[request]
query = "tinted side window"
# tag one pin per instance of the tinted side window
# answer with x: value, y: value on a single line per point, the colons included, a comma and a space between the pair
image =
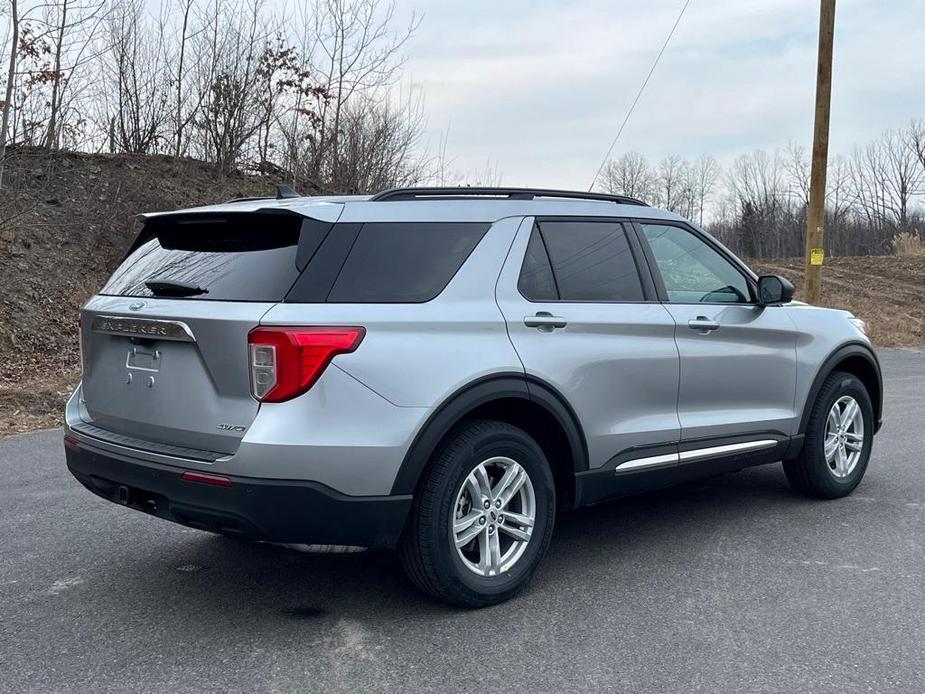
x: 692, y: 271
x: 234, y: 257
x: 536, y: 282
x: 408, y: 262
x: 592, y: 261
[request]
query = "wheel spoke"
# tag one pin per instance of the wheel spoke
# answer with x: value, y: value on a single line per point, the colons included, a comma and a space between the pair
x: 484, y: 558
x: 853, y: 445
x: 831, y: 444
x: 494, y: 552
x: 834, y: 417
x: 842, y: 466
x: 516, y: 533
x: 466, y: 521
x: 512, y: 518
x: 505, y: 480
x: 466, y: 535
x: 481, y: 474
x: 850, y: 412
x: 475, y: 491
x: 513, y: 487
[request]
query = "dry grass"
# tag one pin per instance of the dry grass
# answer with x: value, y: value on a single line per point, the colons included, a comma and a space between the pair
x: 908, y: 243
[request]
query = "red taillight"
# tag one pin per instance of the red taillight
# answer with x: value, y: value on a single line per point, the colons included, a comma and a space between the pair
x: 285, y: 362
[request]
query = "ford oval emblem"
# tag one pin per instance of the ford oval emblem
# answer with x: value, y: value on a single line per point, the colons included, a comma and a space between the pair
x: 136, y: 305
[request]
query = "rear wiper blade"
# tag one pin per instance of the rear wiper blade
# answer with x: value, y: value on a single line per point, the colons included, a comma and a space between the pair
x: 174, y: 288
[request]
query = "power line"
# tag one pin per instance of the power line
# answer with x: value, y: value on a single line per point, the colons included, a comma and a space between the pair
x: 639, y: 94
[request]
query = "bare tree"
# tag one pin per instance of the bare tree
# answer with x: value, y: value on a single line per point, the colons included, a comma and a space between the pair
x: 904, y: 177
x: 704, y: 175
x: 796, y: 166
x: 671, y: 189
x: 354, y: 50
x: 142, y: 79
x: 886, y: 176
x: 630, y: 175
x: 756, y: 183
x: 380, y: 147
x: 8, y: 89
x: 72, y: 26
x: 229, y: 115
x: 181, y: 116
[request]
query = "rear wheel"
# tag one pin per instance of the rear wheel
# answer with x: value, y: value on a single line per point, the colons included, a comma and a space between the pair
x: 839, y: 436
x: 483, y: 518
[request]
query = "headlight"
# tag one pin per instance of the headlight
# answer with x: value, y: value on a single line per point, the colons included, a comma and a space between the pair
x: 859, y: 324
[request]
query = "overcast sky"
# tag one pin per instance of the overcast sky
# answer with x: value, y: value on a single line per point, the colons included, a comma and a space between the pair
x: 539, y: 87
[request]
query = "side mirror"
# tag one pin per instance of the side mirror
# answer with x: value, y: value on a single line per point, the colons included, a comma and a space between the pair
x: 774, y: 289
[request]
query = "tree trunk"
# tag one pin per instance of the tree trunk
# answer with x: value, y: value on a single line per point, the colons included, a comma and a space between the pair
x: 178, y: 145
x: 51, y: 136
x: 8, y: 94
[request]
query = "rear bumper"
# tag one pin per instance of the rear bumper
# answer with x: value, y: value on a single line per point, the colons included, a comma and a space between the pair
x: 262, y: 509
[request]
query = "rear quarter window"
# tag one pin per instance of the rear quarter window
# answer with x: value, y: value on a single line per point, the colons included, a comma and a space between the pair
x: 404, y: 262
x: 243, y: 257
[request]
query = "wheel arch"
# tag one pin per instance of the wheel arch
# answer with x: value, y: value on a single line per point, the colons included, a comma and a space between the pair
x: 525, y: 402
x: 859, y: 360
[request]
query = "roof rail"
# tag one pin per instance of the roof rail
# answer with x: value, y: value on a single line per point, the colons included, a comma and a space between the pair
x: 508, y: 193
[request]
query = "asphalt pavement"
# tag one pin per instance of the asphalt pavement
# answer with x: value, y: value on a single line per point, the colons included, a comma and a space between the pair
x: 733, y: 584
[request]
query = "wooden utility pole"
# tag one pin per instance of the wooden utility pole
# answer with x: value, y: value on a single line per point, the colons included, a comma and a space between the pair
x: 815, y: 215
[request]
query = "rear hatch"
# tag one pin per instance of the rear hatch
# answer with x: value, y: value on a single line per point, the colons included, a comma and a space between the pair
x: 164, y: 343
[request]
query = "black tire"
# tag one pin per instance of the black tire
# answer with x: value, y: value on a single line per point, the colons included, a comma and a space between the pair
x: 428, y: 552
x: 809, y: 473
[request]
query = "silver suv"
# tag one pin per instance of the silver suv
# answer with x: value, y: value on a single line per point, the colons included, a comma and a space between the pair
x: 442, y: 370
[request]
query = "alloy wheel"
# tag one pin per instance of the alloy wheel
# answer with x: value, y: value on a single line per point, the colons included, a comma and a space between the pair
x: 493, y: 517
x: 844, y: 436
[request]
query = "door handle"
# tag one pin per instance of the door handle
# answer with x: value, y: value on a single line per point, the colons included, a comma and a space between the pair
x: 545, y: 321
x: 703, y: 325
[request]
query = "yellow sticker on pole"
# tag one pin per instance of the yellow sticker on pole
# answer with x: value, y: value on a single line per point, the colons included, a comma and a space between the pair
x: 816, y: 256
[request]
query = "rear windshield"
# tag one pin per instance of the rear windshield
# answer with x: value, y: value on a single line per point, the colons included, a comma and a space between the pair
x: 236, y: 257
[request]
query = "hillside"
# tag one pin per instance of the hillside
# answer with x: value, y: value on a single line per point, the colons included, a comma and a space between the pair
x: 66, y: 220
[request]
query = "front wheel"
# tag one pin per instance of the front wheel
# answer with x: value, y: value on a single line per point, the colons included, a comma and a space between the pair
x: 483, y: 517
x: 839, y: 436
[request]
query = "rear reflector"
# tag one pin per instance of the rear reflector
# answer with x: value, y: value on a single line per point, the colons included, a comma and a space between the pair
x: 71, y: 443
x: 205, y: 478
x: 286, y: 362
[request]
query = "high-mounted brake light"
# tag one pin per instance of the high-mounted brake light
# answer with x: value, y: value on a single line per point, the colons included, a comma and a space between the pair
x: 286, y: 362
